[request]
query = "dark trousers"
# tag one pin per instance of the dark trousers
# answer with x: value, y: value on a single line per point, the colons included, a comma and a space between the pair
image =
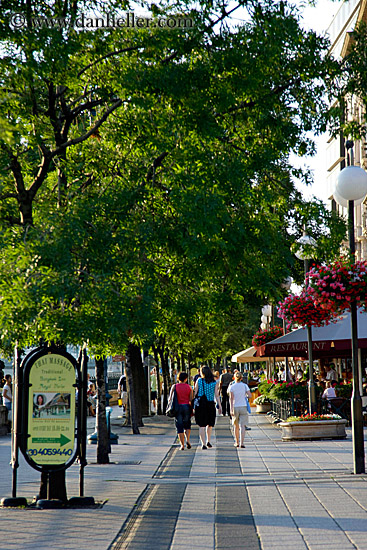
x: 225, y: 400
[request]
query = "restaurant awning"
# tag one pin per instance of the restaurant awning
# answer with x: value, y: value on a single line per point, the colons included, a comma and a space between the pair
x: 248, y: 356
x: 332, y: 340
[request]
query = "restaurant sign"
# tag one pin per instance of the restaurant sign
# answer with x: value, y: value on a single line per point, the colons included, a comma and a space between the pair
x: 50, y: 382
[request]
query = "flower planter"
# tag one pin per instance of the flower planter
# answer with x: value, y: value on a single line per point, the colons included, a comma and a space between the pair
x: 263, y: 408
x: 313, y: 429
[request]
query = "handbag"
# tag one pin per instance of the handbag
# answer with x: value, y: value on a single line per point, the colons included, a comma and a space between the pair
x: 172, y: 405
x: 248, y: 406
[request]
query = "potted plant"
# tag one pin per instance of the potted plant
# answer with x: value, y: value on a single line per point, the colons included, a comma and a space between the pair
x: 263, y: 404
x: 313, y: 426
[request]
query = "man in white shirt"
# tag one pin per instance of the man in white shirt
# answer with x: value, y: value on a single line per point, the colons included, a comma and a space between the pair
x: 7, y: 396
x: 331, y: 373
x: 238, y: 395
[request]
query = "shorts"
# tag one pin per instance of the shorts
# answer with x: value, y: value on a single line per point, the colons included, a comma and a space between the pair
x: 153, y: 395
x: 240, y: 416
x: 124, y: 398
x: 183, y: 418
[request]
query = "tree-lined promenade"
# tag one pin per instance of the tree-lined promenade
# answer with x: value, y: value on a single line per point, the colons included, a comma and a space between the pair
x: 147, y: 199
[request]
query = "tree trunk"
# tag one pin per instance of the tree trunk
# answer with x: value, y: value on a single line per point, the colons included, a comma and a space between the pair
x: 159, y: 387
x: 166, y: 377
x: 131, y: 388
x: 103, y: 443
x: 140, y: 385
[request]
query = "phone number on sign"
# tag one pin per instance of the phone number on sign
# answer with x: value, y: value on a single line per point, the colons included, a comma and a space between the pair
x: 50, y: 452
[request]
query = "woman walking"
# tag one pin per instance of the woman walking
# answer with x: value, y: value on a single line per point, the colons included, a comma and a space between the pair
x: 205, y: 413
x: 183, y: 419
x: 238, y: 394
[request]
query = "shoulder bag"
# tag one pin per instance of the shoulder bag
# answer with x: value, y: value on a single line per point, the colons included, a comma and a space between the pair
x: 172, y: 406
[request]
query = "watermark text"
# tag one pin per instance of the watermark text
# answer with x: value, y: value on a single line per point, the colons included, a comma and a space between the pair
x: 110, y: 21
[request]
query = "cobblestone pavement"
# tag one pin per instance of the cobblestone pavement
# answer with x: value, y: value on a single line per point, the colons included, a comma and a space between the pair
x: 271, y: 495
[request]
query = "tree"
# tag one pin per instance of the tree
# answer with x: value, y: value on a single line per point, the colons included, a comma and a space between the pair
x: 147, y: 187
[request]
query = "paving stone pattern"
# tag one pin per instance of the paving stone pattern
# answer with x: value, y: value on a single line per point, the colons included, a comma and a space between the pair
x: 272, y: 495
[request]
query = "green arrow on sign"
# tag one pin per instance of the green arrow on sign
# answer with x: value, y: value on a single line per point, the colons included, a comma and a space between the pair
x: 63, y: 440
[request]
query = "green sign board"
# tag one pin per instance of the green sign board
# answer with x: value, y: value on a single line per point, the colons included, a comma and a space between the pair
x: 51, y: 410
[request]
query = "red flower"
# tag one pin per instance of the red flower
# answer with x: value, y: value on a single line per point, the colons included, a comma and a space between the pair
x: 261, y: 337
x: 303, y: 310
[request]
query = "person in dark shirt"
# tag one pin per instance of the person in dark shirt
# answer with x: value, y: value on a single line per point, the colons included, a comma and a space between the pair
x: 224, y: 381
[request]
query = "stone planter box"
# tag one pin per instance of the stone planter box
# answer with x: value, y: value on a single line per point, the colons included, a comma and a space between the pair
x: 263, y: 408
x: 315, y: 429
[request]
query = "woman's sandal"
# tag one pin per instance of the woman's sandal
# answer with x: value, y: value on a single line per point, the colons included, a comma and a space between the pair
x: 188, y: 445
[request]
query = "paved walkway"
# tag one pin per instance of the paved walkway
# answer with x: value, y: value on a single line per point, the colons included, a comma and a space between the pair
x: 271, y: 495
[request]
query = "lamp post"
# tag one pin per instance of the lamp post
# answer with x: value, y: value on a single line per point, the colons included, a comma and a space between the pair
x: 352, y: 186
x: 265, y: 323
x: 306, y: 255
x: 287, y: 285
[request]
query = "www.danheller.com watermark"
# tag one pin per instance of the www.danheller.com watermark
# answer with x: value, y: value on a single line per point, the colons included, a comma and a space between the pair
x: 111, y: 21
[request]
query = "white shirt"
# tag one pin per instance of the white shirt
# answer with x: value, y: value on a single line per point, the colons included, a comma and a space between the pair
x: 329, y: 393
x: 5, y: 399
x: 239, y: 391
x: 331, y: 375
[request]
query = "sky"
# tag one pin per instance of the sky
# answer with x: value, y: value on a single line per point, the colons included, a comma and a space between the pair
x: 318, y: 19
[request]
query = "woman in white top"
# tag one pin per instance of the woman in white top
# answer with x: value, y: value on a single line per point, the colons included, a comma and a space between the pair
x: 238, y: 394
x: 7, y: 396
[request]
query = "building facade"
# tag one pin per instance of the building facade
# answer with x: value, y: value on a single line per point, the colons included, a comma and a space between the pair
x: 350, y: 13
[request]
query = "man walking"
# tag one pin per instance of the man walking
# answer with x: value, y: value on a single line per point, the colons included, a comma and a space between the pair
x: 238, y: 394
x: 224, y: 382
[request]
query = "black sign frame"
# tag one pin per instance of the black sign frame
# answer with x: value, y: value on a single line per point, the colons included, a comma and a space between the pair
x: 24, y: 404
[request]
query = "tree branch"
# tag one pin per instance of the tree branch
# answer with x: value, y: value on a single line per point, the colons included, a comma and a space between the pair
x: 15, y: 169
x: 155, y: 164
x: 82, y: 138
x: 41, y: 174
x: 123, y: 50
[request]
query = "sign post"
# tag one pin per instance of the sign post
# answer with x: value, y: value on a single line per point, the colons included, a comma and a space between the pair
x: 48, y: 426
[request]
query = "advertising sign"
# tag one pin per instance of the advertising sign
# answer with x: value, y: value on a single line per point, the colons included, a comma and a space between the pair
x: 51, y: 410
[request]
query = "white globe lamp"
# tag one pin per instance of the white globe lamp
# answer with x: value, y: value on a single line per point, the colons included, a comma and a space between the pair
x: 308, y: 241
x: 352, y: 183
x: 343, y: 202
x: 287, y: 283
x: 263, y: 326
x: 266, y: 310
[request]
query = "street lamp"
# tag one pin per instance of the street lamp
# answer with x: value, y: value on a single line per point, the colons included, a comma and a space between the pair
x: 265, y: 323
x: 304, y: 252
x: 286, y: 285
x: 352, y: 186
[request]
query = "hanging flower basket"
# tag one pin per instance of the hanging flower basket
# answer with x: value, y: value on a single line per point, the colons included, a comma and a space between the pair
x: 335, y: 286
x: 262, y: 337
x: 303, y: 311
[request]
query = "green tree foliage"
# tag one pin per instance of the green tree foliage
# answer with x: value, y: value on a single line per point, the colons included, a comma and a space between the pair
x: 352, y: 82
x: 147, y: 187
